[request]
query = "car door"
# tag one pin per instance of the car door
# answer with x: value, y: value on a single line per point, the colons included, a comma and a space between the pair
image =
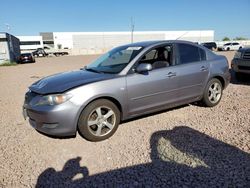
x: 193, y: 71
x: 150, y: 90
x: 235, y: 46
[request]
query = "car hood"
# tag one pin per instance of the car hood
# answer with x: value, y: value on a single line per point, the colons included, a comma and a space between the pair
x: 62, y: 82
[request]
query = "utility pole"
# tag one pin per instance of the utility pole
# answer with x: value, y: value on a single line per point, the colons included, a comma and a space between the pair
x: 132, y: 29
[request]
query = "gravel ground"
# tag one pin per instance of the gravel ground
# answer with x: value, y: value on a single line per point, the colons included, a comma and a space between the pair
x: 190, y: 146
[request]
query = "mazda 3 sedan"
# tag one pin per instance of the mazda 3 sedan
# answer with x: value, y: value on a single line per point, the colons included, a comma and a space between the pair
x: 126, y: 82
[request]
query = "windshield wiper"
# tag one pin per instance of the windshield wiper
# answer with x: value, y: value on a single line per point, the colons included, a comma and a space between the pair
x: 91, y: 70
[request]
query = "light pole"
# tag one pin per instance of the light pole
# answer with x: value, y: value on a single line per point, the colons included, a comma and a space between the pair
x: 132, y: 29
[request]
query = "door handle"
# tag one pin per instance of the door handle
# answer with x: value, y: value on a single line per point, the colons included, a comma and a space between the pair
x: 171, y: 74
x: 203, y: 68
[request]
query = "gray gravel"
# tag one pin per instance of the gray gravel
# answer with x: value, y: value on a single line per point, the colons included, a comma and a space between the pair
x: 190, y: 146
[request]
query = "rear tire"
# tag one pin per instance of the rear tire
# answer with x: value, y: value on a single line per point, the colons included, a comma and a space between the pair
x: 99, y: 120
x: 213, y: 93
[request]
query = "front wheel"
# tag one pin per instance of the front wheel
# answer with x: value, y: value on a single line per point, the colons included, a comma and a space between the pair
x: 213, y: 93
x: 99, y: 120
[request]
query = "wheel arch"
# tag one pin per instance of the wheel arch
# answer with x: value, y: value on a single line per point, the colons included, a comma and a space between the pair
x: 110, y: 98
x: 221, y: 79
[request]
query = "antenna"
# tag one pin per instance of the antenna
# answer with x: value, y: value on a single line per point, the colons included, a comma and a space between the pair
x: 182, y: 35
x: 132, y: 24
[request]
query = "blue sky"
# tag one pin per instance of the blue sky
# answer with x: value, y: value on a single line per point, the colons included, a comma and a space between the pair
x: 29, y: 17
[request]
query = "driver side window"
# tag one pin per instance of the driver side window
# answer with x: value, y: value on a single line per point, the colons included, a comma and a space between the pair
x: 159, y: 57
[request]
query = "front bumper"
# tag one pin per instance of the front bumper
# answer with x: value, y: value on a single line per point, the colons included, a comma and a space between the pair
x: 241, y: 66
x: 58, y: 120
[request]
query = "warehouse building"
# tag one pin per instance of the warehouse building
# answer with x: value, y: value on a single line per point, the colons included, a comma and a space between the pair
x: 28, y: 43
x: 100, y: 42
x: 9, y: 48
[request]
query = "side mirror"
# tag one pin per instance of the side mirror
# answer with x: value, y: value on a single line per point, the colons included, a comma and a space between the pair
x: 144, y: 67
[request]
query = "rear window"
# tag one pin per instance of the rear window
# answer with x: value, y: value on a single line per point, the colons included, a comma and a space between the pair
x: 189, y: 53
x: 27, y: 54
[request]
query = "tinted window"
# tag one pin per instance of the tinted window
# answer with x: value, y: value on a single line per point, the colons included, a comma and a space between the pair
x: 27, y: 54
x: 235, y: 43
x: 189, y: 53
x: 30, y: 43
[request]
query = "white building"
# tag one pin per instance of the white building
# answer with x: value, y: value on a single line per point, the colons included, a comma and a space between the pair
x: 99, y: 42
x: 30, y: 42
x: 9, y: 48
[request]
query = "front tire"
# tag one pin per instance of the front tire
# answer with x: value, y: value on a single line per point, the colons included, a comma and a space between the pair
x: 213, y: 93
x: 99, y: 120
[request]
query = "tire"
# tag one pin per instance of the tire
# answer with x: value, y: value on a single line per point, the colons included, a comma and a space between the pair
x: 92, y: 123
x: 213, y: 93
x: 228, y: 49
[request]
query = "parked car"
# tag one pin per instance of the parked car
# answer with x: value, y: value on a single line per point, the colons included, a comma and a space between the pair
x: 241, y: 62
x: 40, y: 52
x: 210, y: 45
x: 127, y: 82
x: 27, y: 58
x: 230, y: 46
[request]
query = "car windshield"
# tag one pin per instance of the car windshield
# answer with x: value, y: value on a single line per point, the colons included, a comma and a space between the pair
x: 115, y: 60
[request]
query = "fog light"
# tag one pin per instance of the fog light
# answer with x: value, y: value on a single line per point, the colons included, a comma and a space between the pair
x: 49, y: 125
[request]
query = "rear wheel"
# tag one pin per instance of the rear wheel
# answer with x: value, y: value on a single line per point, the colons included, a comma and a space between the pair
x: 213, y: 93
x: 99, y: 120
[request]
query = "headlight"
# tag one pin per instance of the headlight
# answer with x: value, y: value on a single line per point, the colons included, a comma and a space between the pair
x: 53, y: 99
x: 237, y: 55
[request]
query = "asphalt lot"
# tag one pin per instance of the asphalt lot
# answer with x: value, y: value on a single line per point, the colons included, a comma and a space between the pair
x: 190, y: 145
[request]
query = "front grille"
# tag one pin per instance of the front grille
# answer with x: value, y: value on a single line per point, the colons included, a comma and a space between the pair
x: 29, y: 96
x: 243, y: 67
x: 246, y: 55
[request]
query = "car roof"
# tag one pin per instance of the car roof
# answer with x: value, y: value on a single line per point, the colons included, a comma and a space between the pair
x: 158, y: 42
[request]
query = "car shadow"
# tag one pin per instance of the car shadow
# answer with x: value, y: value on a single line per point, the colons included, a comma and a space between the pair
x: 244, y: 80
x: 181, y: 157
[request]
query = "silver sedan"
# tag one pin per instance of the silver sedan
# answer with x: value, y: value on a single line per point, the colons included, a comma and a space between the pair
x: 126, y: 82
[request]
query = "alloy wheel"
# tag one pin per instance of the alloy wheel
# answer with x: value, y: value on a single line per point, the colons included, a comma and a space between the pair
x: 214, y: 92
x: 101, y: 121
